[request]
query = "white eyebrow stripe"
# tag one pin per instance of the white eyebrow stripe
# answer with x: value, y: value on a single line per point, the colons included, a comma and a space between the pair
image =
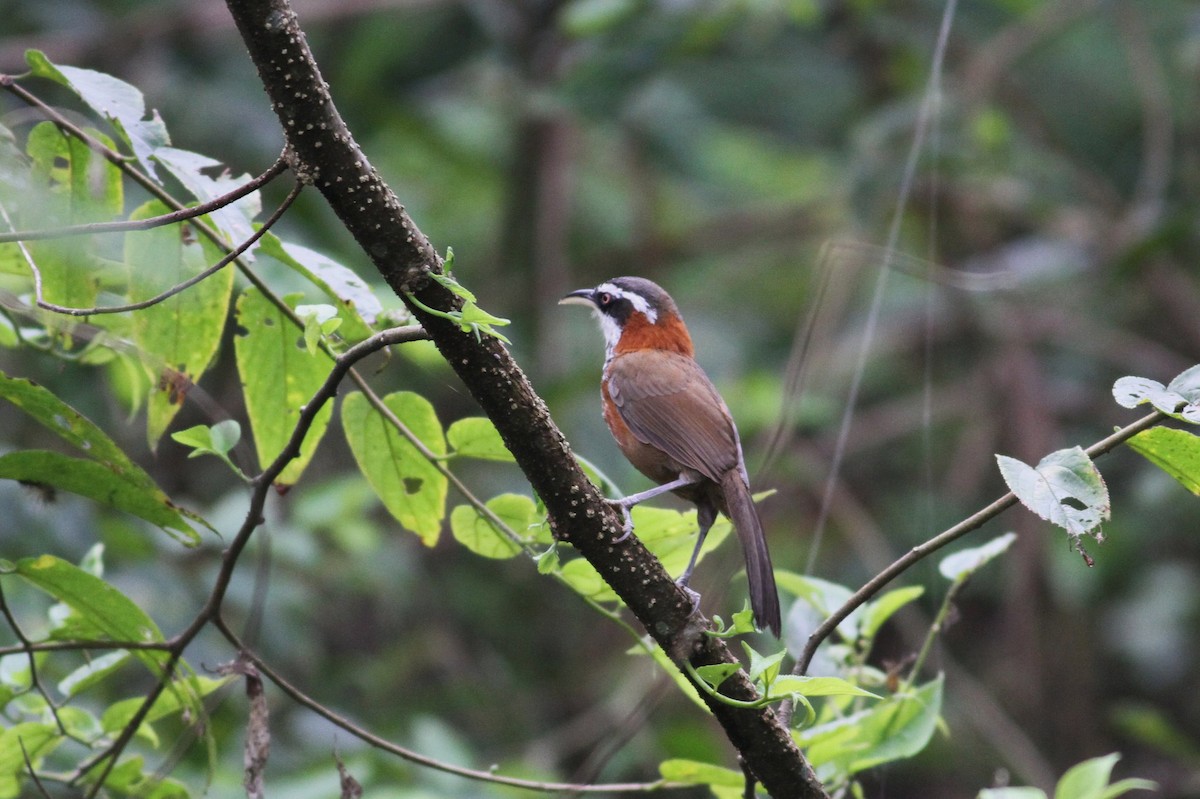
x: 638, y: 302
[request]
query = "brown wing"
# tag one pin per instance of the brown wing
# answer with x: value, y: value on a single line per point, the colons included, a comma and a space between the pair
x: 668, y: 402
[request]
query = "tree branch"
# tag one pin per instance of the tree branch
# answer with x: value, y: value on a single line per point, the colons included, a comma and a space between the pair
x: 326, y: 149
x: 972, y: 522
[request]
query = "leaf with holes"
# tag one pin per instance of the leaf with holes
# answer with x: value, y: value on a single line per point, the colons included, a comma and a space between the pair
x: 1065, y: 488
x: 1180, y: 398
x: 279, y: 377
x: 180, y: 335
x: 412, y: 488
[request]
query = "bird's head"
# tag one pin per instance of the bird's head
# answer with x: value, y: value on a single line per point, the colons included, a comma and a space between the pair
x: 634, y: 314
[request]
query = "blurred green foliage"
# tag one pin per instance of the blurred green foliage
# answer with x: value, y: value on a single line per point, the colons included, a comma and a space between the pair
x: 748, y: 155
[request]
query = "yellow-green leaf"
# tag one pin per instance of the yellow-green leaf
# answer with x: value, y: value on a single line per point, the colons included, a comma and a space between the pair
x: 1176, y: 452
x: 412, y: 489
x: 478, y: 534
x: 279, y: 377
x: 180, y: 335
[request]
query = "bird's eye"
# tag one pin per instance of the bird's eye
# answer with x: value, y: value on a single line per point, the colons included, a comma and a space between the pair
x: 605, y: 298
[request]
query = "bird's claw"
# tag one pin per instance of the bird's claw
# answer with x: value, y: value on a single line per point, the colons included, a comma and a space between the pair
x: 692, y: 595
x: 627, y: 525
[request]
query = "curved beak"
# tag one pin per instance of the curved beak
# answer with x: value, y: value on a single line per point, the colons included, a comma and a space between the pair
x: 581, y: 297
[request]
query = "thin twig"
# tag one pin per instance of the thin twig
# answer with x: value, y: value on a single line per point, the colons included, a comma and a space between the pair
x: 180, y: 215
x: 302, y: 699
x: 176, y: 289
x: 972, y: 522
x: 261, y: 486
x: 34, y: 680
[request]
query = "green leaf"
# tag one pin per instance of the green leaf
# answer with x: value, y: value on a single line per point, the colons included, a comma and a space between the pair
x: 698, y: 773
x: 763, y: 667
x: 1086, y: 780
x: 877, y: 612
x: 824, y: 597
x: 31, y: 738
x: 478, y: 534
x: 81, y: 432
x: 279, y: 378
x: 354, y: 298
x: 1176, y: 452
x: 816, y: 686
x: 180, y: 335
x: 583, y: 578
x: 101, y: 483
x: 1012, y: 793
x: 81, y: 187
x: 119, y: 714
x: 92, y: 672
x: 671, y: 535
x: 1065, y: 488
x: 412, y: 488
x: 962, y: 564
x: 894, y: 729
x: 115, y: 100
x: 477, y: 437
x: 717, y: 673
x: 110, y: 612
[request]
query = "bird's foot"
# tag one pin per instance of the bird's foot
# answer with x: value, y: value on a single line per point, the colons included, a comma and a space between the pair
x: 627, y: 525
x: 692, y: 595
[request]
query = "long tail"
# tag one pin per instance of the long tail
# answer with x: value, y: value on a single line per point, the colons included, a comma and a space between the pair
x: 764, y: 597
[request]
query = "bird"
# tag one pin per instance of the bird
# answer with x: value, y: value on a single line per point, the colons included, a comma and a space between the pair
x: 671, y: 423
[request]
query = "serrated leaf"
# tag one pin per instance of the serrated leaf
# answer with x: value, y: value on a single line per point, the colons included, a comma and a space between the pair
x: 101, y: 483
x: 962, y: 564
x: 1065, y: 488
x: 477, y: 437
x: 1176, y: 452
x: 698, y: 773
x: 180, y: 335
x: 117, y: 101
x: 357, y: 303
x: 412, y: 488
x: 279, y: 378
